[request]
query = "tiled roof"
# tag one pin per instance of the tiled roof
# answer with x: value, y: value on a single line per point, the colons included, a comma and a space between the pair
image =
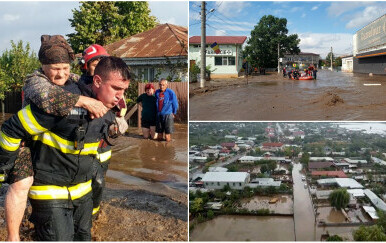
x: 218, y: 39
x: 339, y: 173
x: 163, y: 40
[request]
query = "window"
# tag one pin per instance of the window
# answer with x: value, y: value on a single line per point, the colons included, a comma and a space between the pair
x: 224, y: 61
x: 240, y: 183
x: 218, y: 183
x: 231, y: 61
x: 234, y: 184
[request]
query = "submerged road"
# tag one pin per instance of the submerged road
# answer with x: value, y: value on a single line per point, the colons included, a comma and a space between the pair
x: 304, y: 219
x: 333, y: 96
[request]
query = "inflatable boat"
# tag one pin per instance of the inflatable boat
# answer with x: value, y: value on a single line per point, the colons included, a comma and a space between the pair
x: 304, y: 78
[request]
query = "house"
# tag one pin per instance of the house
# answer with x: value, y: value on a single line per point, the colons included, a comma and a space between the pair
x: 217, y: 180
x: 229, y: 146
x: 336, y: 174
x: 329, y: 159
x: 198, y: 159
x: 230, y: 136
x: 252, y: 159
x: 378, y: 161
x: 354, y: 161
x: 375, y: 200
x: 272, y: 147
x: 211, y: 153
x: 225, y: 64
x: 347, y: 64
x: 312, y: 166
x: 161, y: 52
x: 340, y: 182
x: 217, y: 169
x: 264, y: 182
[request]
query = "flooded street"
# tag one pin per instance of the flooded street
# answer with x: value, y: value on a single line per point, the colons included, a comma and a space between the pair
x: 333, y: 96
x: 303, y: 211
x: 144, y: 161
x: 245, y: 228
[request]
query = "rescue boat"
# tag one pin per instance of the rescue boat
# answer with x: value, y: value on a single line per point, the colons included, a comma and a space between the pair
x: 304, y: 78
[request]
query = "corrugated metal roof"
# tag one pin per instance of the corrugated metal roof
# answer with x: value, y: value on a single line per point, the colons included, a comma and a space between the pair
x: 218, y: 39
x: 319, y: 165
x: 165, y: 40
x: 338, y: 173
x: 225, y: 177
x: 377, y: 202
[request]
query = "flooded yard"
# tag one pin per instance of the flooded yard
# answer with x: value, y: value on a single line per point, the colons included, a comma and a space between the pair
x: 245, y: 228
x: 284, y: 205
x: 333, y: 96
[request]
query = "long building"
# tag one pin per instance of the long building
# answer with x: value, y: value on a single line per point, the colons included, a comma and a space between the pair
x: 369, y: 48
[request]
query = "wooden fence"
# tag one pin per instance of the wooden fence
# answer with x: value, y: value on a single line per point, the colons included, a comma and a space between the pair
x: 181, y: 90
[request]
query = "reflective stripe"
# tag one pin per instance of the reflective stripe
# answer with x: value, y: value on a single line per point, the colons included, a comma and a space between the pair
x: 59, y: 192
x: 8, y: 143
x: 2, y: 177
x: 29, y: 122
x: 64, y: 145
x: 95, y: 210
x: 103, y: 157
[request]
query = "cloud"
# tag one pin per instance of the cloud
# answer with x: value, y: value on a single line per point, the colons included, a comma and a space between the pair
x: 232, y: 9
x: 220, y: 32
x: 10, y: 17
x: 234, y: 23
x: 339, y: 8
x: 363, y: 18
x: 304, y: 15
x: 320, y: 43
x: 314, y: 8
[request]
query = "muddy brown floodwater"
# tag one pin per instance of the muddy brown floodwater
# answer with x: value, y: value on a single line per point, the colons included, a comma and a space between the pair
x: 146, y: 192
x: 333, y: 96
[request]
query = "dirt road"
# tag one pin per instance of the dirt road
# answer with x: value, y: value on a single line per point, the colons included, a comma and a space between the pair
x: 333, y: 96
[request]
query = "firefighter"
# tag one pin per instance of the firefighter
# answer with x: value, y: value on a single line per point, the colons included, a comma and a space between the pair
x: 63, y: 151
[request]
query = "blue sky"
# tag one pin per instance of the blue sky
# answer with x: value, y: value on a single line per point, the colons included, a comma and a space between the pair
x: 319, y: 25
x: 28, y: 20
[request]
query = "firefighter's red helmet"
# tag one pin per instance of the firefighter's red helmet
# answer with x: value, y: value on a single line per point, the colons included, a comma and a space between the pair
x: 91, y: 53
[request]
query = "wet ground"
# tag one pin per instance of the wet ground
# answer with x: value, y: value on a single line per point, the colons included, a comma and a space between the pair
x: 333, y: 96
x: 146, y: 192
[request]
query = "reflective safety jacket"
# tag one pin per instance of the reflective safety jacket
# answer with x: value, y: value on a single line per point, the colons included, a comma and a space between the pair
x: 63, y: 150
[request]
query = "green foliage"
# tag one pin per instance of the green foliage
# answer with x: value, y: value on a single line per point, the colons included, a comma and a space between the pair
x: 371, y: 233
x: 270, y: 31
x: 15, y: 64
x: 334, y: 238
x: 197, y: 206
x: 305, y: 158
x: 106, y: 22
x: 210, y: 214
x: 381, y: 222
x: 264, y: 168
x: 339, y: 198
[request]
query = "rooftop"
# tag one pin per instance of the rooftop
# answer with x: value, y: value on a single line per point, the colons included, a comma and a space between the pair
x: 225, y: 177
x: 165, y: 40
x: 338, y: 173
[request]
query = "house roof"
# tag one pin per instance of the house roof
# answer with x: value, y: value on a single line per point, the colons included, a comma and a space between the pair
x: 319, y: 165
x: 273, y: 144
x: 376, y: 201
x: 342, y: 182
x: 225, y: 177
x: 228, y: 144
x: 218, y: 39
x: 338, y: 173
x: 165, y: 40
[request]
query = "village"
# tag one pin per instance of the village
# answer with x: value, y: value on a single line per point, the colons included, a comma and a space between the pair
x: 287, y: 171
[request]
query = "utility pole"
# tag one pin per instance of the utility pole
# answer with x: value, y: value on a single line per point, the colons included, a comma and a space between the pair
x: 278, y: 58
x: 203, y: 45
x: 331, y: 59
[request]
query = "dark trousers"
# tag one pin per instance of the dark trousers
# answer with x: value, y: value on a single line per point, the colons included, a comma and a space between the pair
x: 55, y: 223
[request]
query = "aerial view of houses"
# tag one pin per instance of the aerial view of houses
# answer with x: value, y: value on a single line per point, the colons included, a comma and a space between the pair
x: 282, y: 181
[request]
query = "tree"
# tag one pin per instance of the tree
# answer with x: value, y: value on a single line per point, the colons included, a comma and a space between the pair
x: 264, y: 168
x: 381, y: 222
x: 105, y: 22
x: 15, y: 64
x: 334, y: 238
x: 197, y: 206
x: 371, y: 233
x: 339, y: 198
x: 268, y: 33
x: 305, y: 158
